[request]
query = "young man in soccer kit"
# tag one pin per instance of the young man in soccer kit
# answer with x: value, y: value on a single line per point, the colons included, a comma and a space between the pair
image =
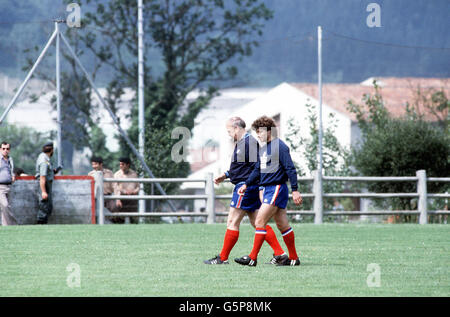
x: 245, y: 156
x: 272, y: 171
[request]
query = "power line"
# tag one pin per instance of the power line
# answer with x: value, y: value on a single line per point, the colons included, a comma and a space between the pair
x: 291, y: 38
x: 26, y: 22
x: 387, y: 44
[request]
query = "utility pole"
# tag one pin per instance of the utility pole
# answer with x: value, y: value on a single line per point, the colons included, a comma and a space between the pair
x: 319, y: 37
x: 19, y: 91
x: 58, y: 96
x: 318, y: 199
x: 141, y: 97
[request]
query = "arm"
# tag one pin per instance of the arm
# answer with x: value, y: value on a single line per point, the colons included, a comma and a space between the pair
x: 116, y: 187
x: 42, y: 180
x: 136, y: 191
x: 252, y: 179
x: 288, y: 165
x: 254, y: 176
x: 136, y: 186
x: 221, y: 178
x: 42, y: 186
x: 11, y: 164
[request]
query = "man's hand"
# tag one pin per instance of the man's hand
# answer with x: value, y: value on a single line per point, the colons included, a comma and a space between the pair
x: 298, y: 200
x: 119, y: 203
x: 219, y: 179
x: 242, y: 189
x: 44, y: 196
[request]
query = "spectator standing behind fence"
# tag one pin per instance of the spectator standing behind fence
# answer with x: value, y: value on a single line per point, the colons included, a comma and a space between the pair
x: 6, y: 179
x: 19, y: 172
x: 108, y: 187
x: 45, y: 174
x: 125, y: 188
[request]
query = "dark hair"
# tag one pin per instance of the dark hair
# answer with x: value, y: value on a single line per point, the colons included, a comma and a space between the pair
x: 18, y: 171
x: 6, y: 143
x: 125, y: 160
x: 97, y: 159
x: 47, y: 148
x: 265, y: 122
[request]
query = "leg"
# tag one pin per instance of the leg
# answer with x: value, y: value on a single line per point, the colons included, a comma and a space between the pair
x: 271, y: 237
x: 235, y: 216
x: 288, y: 234
x: 45, y: 206
x: 281, y: 219
x: 7, y: 217
x: 264, y: 214
x: 130, y: 206
x: 43, y: 211
x: 252, y: 217
x: 117, y: 209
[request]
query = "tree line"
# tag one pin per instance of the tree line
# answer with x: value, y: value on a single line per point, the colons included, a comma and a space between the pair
x: 197, y: 41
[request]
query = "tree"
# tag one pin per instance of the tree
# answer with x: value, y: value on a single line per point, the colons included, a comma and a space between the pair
x: 97, y: 144
x: 78, y: 112
x: 196, y: 41
x: 26, y: 144
x: 335, y: 155
x: 433, y: 100
x: 398, y: 147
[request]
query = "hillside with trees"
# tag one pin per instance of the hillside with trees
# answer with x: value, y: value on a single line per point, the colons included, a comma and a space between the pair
x: 412, y: 40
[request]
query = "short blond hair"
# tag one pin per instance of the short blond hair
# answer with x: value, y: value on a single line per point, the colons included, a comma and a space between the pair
x: 237, y: 122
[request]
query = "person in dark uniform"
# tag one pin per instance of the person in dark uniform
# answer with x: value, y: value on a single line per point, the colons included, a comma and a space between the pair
x: 244, y: 160
x: 272, y: 171
x: 45, y: 174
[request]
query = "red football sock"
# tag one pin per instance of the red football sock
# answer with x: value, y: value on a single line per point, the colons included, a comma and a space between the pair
x: 260, y: 236
x: 289, y: 239
x: 231, y: 237
x: 272, y: 240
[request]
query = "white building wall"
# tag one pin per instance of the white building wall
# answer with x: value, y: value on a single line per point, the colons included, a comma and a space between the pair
x: 288, y: 102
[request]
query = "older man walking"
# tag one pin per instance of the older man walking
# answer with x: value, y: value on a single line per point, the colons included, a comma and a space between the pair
x: 6, y: 179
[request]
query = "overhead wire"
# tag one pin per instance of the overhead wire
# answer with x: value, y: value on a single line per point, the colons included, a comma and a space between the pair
x: 386, y: 44
x: 290, y: 38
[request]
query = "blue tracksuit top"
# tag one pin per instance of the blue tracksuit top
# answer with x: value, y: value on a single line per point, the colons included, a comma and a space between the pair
x: 243, y: 161
x: 274, y: 166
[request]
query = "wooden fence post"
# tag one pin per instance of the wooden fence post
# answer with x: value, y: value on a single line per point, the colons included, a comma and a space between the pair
x: 99, y: 198
x: 318, y: 198
x: 422, y: 191
x: 210, y: 201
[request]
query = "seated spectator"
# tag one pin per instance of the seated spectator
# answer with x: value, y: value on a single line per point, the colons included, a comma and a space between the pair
x: 125, y: 188
x: 19, y: 172
x: 108, y: 187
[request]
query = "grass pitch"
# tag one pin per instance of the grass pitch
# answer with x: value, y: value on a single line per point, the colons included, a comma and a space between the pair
x: 167, y: 260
